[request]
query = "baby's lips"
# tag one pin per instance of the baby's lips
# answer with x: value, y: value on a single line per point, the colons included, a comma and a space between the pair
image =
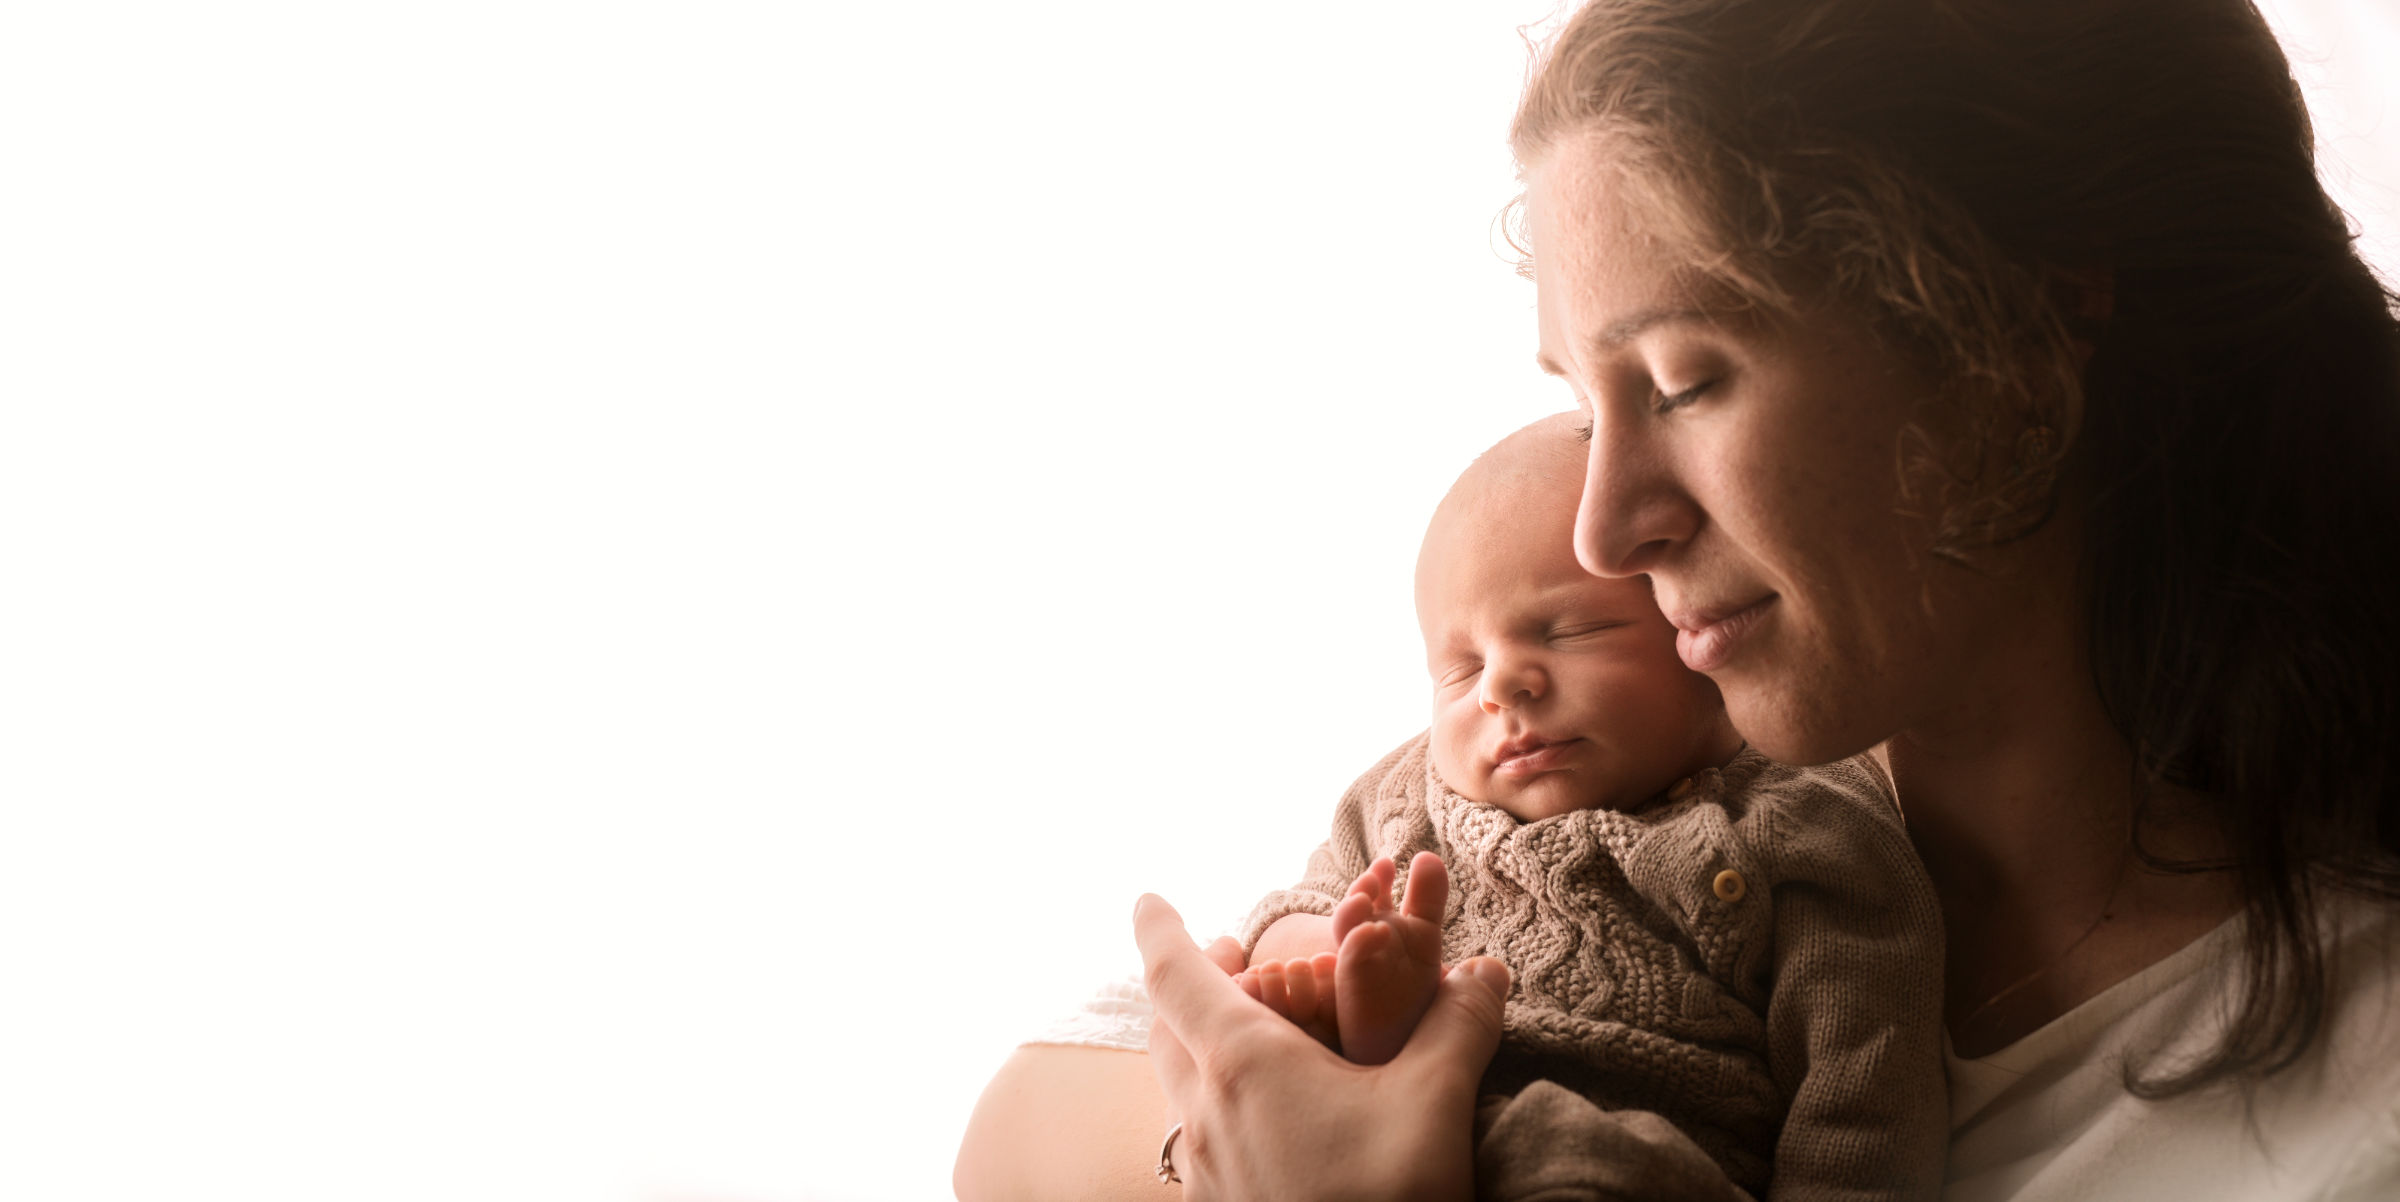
x: 1521, y: 745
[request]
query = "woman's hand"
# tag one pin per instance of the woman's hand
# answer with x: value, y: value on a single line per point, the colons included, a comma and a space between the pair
x: 1270, y: 1113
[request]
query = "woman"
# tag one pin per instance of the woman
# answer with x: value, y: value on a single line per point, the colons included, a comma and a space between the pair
x: 1988, y: 382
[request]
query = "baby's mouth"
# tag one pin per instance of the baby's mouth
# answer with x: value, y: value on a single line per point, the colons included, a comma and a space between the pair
x: 1530, y: 756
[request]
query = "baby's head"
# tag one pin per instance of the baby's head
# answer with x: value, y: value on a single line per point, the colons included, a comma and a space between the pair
x: 1553, y: 689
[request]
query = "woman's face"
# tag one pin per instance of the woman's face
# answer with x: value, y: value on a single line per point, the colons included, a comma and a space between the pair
x: 1751, y: 469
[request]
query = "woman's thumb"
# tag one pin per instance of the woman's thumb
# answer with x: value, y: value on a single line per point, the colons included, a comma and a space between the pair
x: 1463, y: 1024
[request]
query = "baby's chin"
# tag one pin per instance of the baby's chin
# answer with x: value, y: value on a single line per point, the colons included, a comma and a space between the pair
x: 1545, y: 796
x: 1548, y: 796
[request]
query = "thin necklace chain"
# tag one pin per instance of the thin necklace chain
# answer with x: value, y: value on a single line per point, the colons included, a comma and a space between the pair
x: 2061, y: 958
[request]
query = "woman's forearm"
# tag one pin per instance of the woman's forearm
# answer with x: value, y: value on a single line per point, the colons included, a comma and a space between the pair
x: 1064, y: 1124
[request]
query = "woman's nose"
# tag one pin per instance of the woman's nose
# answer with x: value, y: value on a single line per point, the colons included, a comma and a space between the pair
x: 1633, y: 512
x: 1510, y: 683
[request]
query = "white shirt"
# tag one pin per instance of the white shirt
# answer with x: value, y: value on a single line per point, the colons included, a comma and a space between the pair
x: 2048, y: 1117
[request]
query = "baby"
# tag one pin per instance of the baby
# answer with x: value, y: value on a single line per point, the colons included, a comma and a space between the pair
x: 1727, y: 970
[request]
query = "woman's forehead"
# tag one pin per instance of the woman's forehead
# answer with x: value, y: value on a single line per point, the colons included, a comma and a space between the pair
x: 1601, y: 280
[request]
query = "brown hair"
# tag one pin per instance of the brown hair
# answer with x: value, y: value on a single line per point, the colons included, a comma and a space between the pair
x: 2005, y: 187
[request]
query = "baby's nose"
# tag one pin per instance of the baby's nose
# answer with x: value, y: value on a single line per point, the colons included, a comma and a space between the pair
x: 1510, y: 686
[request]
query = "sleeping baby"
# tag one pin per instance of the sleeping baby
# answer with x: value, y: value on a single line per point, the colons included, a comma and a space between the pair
x: 1727, y: 971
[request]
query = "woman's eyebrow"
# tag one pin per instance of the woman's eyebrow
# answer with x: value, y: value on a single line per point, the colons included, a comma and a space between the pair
x: 1625, y: 329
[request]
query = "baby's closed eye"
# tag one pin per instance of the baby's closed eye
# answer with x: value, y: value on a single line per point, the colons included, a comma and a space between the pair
x: 1584, y: 630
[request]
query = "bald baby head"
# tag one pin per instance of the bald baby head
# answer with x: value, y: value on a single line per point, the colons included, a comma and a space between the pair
x: 1522, y: 490
x: 1554, y: 689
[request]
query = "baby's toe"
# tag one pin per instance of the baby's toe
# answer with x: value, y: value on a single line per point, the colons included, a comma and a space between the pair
x: 1273, y: 989
x: 1351, y: 911
x: 1300, y: 991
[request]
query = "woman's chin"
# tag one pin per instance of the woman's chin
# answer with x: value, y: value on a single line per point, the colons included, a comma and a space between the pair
x: 1796, y: 734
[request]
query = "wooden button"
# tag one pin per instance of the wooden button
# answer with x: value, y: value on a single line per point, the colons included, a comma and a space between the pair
x: 1682, y: 789
x: 1730, y: 886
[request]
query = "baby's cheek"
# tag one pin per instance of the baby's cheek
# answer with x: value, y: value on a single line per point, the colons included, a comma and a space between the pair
x: 1453, y: 735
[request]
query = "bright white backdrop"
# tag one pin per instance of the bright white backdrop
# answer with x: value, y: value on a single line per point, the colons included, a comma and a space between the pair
x: 611, y: 601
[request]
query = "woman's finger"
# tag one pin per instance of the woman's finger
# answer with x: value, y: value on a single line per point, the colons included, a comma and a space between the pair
x: 1171, y: 1063
x: 1188, y: 992
x: 1462, y: 1029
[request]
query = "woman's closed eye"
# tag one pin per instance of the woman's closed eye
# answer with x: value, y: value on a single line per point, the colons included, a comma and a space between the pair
x: 1662, y: 401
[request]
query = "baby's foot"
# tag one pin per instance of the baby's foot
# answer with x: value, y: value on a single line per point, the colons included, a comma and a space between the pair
x: 1298, y: 989
x: 1390, y: 962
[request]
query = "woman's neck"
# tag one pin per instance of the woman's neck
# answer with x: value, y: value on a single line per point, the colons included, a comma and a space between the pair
x: 2020, y: 798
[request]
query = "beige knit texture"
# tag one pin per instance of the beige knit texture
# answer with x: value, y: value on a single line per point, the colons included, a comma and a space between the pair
x: 1793, y: 1035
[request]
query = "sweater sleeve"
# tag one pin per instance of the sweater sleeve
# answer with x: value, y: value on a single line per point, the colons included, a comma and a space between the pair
x: 1349, y: 849
x: 1854, y: 1016
x: 1547, y: 1144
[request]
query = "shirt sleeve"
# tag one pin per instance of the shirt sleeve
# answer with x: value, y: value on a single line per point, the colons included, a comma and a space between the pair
x: 1117, y: 1016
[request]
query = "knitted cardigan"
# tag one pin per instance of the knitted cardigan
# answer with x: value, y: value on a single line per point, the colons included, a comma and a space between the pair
x: 1754, y: 958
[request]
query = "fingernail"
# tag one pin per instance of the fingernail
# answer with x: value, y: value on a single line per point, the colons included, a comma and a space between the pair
x: 1491, y: 973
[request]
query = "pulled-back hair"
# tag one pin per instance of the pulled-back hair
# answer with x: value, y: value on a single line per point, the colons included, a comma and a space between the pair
x: 2099, y: 223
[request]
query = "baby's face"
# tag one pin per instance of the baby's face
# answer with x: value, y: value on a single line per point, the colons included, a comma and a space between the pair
x: 1553, y: 689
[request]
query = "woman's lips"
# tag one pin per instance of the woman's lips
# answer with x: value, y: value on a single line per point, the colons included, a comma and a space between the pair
x: 1708, y: 644
x: 1517, y: 764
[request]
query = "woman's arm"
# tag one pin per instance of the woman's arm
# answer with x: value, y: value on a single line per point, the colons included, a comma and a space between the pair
x: 1077, y: 1124
x: 1064, y: 1124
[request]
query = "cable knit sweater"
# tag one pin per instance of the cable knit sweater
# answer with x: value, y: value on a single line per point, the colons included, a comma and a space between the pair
x: 1754, y: 958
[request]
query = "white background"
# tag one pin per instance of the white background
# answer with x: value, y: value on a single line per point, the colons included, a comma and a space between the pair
x: 612, y: 600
